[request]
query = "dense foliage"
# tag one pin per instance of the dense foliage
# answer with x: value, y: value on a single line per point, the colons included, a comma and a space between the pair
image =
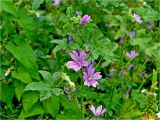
x: 63, y: 59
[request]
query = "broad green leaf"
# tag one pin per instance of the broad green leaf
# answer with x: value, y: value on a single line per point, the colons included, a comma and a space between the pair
x: 61, y: 44
x: 52, y: 105
x: 36, y: 4
x: 57, y: 91
x: 35, y: 110
x: 29, y: 99
x: 24, y: 54
x: 56, y: 76
x: 23, y: 76
x: 45, y: 95
x: 38, y: 86
x: 6, y: 94
x: 46, y: 75
x: 19, y: 88
x: 8, y: 6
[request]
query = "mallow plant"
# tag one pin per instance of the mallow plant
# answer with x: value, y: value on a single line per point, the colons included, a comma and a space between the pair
x: 79, y: 60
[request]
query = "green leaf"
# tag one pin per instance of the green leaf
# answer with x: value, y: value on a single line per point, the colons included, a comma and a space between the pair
x: 69, y: 11
x: 24, y: 54
x: 47, y: 76
x: 61, y: 44
x: 36, y: 4
x: 45, y: 95
x: 23, y: 76
x: 57, y: 91
x: 71, y: 109
x: 52, y: 105
x: 29, y: 99
x: 140, y: 99
x: 38, y: 86
x: 35, y: 110
x: 8, y: 6
x: 19, y: 88
x: 51, y: 79
x: 6, y: 93
x: 56, y: 76
x: 129, y: 111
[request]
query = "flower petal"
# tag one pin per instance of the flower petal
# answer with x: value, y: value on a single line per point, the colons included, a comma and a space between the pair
x: 85, y: 76
x: 74, y: 55
x: 92, y: 109
x: 86, y: 82
x: 94, y: 83
x: 97, y: 75
x: 90, y: 71
x: 104, y: 110
x: 82, y: 55
x: 73, y: 65
x: 98, y: 110
x: 84, y: 63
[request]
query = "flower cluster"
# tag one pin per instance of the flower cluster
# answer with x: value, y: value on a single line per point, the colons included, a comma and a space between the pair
x: 89, y: 74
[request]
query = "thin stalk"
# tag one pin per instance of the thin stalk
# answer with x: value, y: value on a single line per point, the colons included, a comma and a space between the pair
x: 81, y: 99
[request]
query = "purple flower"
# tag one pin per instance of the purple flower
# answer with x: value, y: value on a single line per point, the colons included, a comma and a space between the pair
x: 137, y: 18
x: 73, y: 90
x: 57, y: 2
x: 90, y: 77
x: 131, y: 66
x: 113, y: 69
x: 85, y: 19
x: 150, y: 25
x: 88, y: 51
x: 70, y: 39
x: 110, y: 75
x: 97, y: 112
x: 66, y: 91
x: 128, y: 92
x: 78, y: 13
x: 122, y: 73
x: 132, y: 34
x: 122, y: 39
x: 79, y: 60
x: 143, y: 73
x: 132, y: 54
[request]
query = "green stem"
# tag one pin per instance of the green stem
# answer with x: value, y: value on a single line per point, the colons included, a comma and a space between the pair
x: 82, y: 107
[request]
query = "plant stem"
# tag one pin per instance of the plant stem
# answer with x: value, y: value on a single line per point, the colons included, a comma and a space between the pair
x: 82, y: 107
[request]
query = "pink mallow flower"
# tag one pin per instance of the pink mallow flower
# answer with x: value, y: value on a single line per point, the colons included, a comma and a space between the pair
x: 97, y: 112
x: 57, y: 2
x: 132, y: 54
x: 90, y: 77
x: 85, y: 19
x: 137, y: 18
x: 79, y: 60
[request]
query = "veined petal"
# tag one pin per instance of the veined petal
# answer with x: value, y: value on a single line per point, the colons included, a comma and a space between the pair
x: 97, y: 75
x: 82, y: 55
x: 74, y: 55
x: 85, y: 76
x: 92, y: 109
x: 84, y: 63
x: 98, y: 110
x: 73, y: 65
x: 90, y: 71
